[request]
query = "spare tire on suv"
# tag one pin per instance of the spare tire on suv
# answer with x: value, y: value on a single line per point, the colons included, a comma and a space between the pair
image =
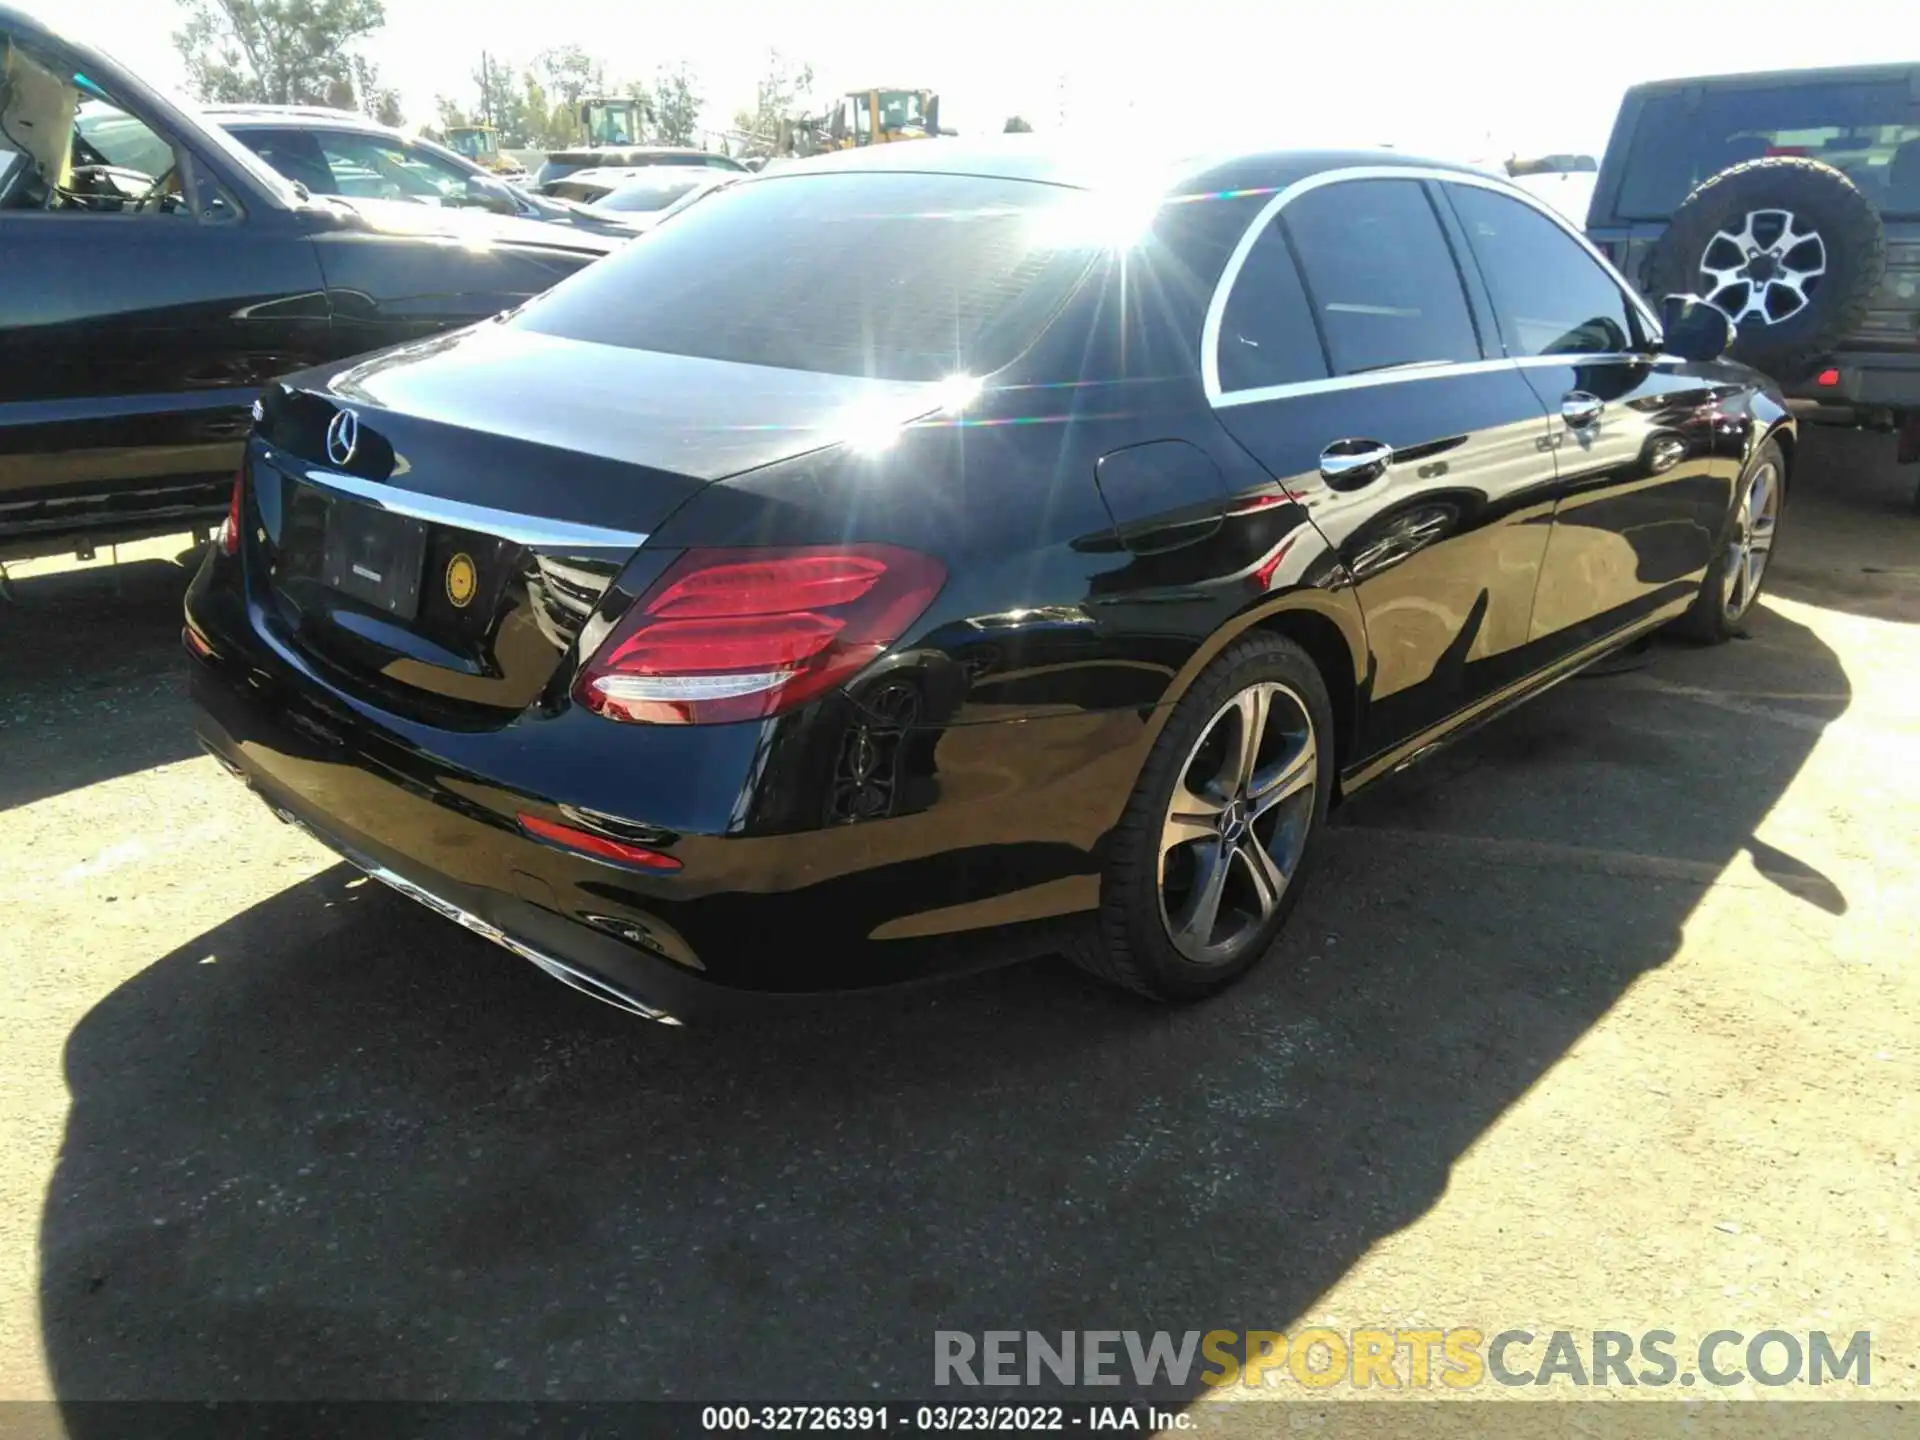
x: 1788, y: 247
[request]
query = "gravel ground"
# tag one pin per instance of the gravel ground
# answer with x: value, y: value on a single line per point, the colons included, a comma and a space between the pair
x: 1607, y: 1017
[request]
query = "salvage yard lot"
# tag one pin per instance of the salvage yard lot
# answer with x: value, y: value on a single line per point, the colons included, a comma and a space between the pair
x: 1618, y: 1026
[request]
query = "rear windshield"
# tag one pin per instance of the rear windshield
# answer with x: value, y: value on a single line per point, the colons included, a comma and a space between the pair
x: 649, y: 194
x: 1869, y: 131
x: 895, y: 276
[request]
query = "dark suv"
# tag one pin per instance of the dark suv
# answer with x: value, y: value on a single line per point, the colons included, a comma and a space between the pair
x: 1792, y: 201
x: 155, y: 274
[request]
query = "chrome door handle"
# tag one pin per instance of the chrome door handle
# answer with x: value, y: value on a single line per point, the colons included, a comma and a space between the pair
x: 1581, y: 410
x: 1349, y: 464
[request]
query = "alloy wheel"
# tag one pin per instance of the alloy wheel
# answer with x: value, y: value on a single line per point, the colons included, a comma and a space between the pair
x: 1751, y: 542
x: 1237, y: 823
x: 1764, y: 270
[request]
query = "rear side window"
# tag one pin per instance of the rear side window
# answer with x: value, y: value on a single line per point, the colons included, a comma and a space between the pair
x: 294, y: 154
x: 895, y: 276
x: 1380, y: 276
x: 1871, y: 132
x: 1267, y: 336
x: 1548, y: 294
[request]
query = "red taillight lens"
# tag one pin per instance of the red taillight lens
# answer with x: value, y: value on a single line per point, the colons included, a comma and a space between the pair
x: 620, y: 852
x: 742, y: 634
x: 230, y: 530
x: 1827, y: 377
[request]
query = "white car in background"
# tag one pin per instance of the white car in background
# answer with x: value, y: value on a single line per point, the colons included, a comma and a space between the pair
x: 641, y: 198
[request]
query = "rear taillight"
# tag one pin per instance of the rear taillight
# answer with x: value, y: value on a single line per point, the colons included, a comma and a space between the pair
x: 742, y: 634
x: 230, y: 528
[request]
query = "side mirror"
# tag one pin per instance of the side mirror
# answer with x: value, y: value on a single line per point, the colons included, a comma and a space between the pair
x: 1694, y: 330
x: 584, y: 113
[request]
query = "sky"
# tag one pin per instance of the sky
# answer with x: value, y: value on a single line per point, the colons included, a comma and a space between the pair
x: 1464, y: 79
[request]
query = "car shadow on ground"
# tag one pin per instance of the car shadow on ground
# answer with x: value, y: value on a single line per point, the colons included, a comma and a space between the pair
x: 1851, y: 534
x: 91, y: 673
x: 336, y: 1147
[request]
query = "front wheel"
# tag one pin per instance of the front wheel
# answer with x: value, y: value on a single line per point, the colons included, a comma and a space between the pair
x: 1206, y: 864
x: 1746, y: 547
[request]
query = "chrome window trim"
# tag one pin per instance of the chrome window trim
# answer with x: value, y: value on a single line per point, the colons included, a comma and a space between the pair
x: 1440, y: 371
x: 530, y: 530
x: 1223, y: 289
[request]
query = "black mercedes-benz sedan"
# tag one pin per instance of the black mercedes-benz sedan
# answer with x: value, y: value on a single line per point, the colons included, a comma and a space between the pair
x: 944, y: 539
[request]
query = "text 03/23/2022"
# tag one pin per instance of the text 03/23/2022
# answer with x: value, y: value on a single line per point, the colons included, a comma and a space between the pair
x: 1011, y: 1419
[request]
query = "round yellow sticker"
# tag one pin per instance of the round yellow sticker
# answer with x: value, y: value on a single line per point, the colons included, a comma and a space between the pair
x: 462, y: 581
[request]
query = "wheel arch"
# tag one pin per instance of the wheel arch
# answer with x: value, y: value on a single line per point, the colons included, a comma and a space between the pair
x: 1787, y: 438
x: 1327, y: 624
x: 1321, y: 637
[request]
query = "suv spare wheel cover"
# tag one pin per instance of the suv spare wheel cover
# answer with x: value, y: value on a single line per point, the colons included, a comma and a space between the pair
x: 1788, y: 248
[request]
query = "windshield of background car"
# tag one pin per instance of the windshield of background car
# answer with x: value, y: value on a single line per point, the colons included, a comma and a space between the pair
x: 1868, y: 131
x: 895, y: 276
x: 648, y: 195
x: 373, y: 168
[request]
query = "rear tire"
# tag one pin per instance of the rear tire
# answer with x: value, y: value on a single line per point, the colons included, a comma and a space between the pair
x: 1742, y: 557
x: 1208, y: 859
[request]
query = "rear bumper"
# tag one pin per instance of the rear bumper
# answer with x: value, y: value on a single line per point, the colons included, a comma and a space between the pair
x: 1007, y: 847
x: 1862, y: 381
x: 597, y: 964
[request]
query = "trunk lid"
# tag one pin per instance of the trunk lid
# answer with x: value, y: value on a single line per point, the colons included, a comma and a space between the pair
x: 443, y: 564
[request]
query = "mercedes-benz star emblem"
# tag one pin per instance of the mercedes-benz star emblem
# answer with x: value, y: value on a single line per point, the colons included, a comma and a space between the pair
x: 343, y: 438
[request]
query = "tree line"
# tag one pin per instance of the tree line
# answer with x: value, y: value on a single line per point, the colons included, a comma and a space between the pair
x: 311, y: 52
x: 538, y: 106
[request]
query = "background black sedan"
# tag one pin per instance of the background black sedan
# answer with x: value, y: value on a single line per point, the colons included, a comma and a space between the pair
x: 562, y: 163
x: 339, y: 152
x: 919, y: 541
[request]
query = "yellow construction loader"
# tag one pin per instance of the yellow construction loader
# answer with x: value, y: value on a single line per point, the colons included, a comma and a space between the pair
x: 867, y: 117
x: 614, y: 121
x: 481, y: 145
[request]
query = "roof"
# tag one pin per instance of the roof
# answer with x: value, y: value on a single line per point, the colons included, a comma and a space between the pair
x: 231, y: 115
x: 1091, y: 165
x: 317, y: 112
x: 1827, y: 74
x: 660, y: 176
x: 641, y: 150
